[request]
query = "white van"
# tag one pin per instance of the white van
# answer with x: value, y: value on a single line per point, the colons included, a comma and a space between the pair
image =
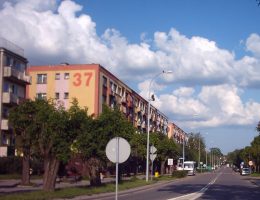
x: 190, y: 167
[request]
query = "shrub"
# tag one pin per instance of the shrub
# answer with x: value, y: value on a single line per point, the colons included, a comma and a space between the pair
x: 180, y: 174
x: 10, y: 165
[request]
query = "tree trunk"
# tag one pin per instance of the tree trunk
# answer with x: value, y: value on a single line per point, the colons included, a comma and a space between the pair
x: 93, y: 165
x: 162, y: 167
x: 26, y: 168
x: 51, y: 166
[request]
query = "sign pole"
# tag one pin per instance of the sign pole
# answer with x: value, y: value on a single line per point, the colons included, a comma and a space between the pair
x: 117, y: 151
x: 152, y: 172
x: 117, y: 160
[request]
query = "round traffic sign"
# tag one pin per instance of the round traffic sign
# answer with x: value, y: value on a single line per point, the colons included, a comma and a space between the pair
x: 118, y: 150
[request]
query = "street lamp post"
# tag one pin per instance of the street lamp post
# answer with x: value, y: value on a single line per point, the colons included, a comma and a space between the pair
x: 199, y: 154
x: 206, y: 157
x: 148, y: 123
x: 183, y: 152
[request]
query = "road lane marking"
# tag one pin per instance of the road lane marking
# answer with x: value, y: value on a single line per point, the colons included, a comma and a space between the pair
x: 195, y: 195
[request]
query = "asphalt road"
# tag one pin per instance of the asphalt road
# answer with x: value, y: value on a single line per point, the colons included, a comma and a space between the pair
x: 224, y: 184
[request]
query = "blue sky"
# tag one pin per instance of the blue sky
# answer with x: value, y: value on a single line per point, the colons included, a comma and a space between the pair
x: 212, y: 47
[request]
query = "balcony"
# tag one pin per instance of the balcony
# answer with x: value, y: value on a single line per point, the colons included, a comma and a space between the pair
x: 16, y: 75
x: 4, y: 124
x: 10, y: 98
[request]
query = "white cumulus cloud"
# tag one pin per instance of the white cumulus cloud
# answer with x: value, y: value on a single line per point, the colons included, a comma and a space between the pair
x: 219, y: 105
x: 53, y: 31
x: 253, y: 44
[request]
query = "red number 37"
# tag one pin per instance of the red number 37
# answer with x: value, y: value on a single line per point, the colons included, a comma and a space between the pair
x: 78, y: 78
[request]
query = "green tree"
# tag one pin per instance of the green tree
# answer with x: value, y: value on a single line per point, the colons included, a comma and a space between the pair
x: 258, y: 127
x: 138, y: 151
x: 235, y: 157
x: 246, y: 154
x: 166, y: 148
x: 98, y: 132
x: 255, y: 149
x: 53, y: 138
x: 196, y: 145
x: 21, y: 119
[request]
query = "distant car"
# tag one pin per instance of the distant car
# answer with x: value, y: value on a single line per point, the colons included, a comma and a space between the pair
x: 189, y: 167
x: 245, y: 171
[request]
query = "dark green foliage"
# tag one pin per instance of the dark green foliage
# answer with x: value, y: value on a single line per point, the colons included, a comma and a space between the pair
x: 180, y: 174
x: 22, y: 118
x: 97, y: 133
x: 52, y: 129
x: 258, y: 127
x: 192, y: 152
x: 166, y: 147
x: 249, y: 153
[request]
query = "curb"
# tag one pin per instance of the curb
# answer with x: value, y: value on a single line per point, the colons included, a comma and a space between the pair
x: 127, y: 191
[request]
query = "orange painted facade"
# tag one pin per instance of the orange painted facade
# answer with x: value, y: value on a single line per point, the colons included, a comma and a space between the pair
x: 63, y: 83
x: 93, y: 85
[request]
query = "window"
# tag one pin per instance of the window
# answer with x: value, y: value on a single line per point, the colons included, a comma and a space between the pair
x: 41, y: 78
x: 57, y: 95
x: 104, y: 81
x: 41, y: 96
x: 115, y: 88
x: 9, y: 61
x: 57, y: 76
x: 13, y: 89
x: 5, y: 112
x: 119, y: 91
x: 6, y: 87
x: 66, y: 95
x: 104, y: 99
x: 66, y: 75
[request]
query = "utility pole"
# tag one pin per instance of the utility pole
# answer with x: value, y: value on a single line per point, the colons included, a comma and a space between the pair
x: 199, y: 152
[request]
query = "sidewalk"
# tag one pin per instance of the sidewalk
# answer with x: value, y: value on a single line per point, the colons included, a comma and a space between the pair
x: 13, y: 185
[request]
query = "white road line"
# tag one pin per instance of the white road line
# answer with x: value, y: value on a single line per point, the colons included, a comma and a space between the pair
x: 195, y: 195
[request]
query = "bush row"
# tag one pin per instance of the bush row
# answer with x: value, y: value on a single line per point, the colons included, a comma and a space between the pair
x: 13, y: 165
x: 180, y: 174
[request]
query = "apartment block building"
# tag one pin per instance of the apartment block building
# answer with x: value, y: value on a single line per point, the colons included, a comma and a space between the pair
x: 93, y: 86
x: 177, y: 133
x: 13, y: 81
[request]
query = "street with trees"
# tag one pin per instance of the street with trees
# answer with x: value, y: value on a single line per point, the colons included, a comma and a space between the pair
x: 45, y: 130
x: 249, y: 153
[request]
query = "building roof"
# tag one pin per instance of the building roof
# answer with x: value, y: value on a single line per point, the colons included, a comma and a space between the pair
x: 11, y: 47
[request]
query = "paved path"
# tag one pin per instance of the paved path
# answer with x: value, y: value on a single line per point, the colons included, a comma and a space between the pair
x: 12, y: 186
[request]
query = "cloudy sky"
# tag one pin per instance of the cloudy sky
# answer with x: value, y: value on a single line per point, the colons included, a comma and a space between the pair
x: 212, y: 48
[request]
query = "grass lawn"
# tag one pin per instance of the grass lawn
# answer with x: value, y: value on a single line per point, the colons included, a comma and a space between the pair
x: 255, y: 174
x: 16, y: 176
x: 10, y: 176
x: 77, y: 191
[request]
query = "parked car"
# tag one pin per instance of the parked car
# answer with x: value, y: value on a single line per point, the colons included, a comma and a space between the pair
x: 245, y: 171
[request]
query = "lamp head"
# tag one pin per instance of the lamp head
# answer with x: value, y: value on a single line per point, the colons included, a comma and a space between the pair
x: 152, y: 97
x: 167, y: 72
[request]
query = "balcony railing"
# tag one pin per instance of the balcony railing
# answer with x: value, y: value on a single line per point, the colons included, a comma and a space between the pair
x: 10, y: 98
x: 12, y: 73
x: 4, y: 124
